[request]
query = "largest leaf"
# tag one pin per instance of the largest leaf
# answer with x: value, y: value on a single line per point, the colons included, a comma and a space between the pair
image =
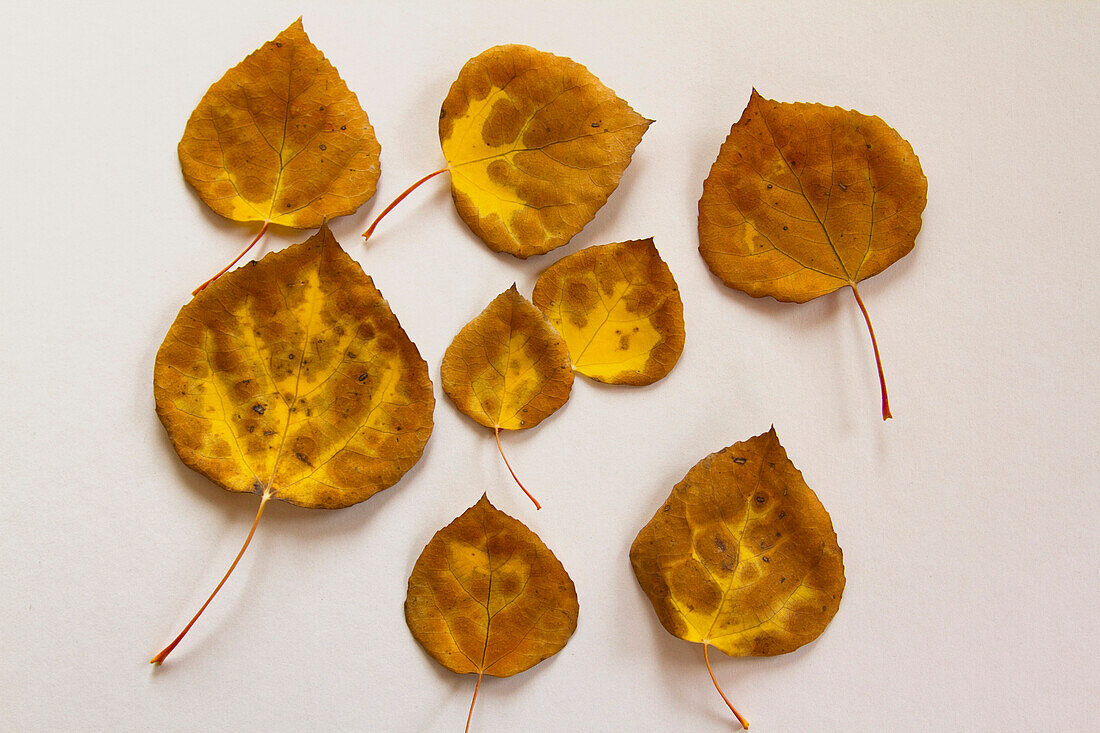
x: 291, y: 378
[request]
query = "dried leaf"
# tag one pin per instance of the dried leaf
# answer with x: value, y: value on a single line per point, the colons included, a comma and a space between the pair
x: 619, y: 310
x: 291, y: 378
x: 281, y: 139
x: 805, y: 199
x: 508, y: 369
x: 486, y: 596
x: 535, y: 145
x: 742, y: 556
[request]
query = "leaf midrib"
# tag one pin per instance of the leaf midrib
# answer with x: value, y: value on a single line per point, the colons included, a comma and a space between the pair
x: 802, y: 190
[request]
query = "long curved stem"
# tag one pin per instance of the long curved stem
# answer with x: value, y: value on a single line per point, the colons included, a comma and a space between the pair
x: 509, y: 465
x: 158, y: 659
x: 225, y: 269
x: 471, y: 715
x: 399, y: 199
x: 706, y: 657
x: 878, y: 359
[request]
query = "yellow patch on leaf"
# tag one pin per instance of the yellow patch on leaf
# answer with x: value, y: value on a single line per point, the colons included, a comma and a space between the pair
x: 508, y: 368
x: 280, y: 138
x: 535, y: 145
x: 486, y: 596
x: 804, y: 199
x: 742, y: 556
x: 292, y: 377
x: 619, y: 310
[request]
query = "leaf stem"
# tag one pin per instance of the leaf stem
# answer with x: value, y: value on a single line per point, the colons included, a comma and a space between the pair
x: 399, y: 199
x: 509, y: 465
x: 706, y: 657
x: 471, y: 715
x: 225, y: 269
x: 158, y: 659
x: 878, y: 359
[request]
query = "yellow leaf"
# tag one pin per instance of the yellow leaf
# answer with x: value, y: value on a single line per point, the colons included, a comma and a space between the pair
x: 742, y: 556
x: 486, y: 596
x: 805, y: 199
x: 619, y: 310
x: 508, y: 369
x: 535, y: 145
x: 291, y: 378
x: 281, y: 139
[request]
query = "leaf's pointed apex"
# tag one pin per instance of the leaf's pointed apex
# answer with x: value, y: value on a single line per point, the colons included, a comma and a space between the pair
x: 484, y: 502
x: 328, y: 239
x: 755, y: 100
x: 296, y: 25
x: 512, y: 295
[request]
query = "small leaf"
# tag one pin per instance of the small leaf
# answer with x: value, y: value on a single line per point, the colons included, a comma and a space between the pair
x: 805, y: 199
x: 742, y: 556
x: 535, y: 145
x: 280, y: 139
x: 619, y: 310
x: 508, y: 368
x: 291, y: 378
x: 486, y: 596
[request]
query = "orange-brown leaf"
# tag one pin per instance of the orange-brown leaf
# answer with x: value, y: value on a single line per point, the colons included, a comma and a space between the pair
x: 487, y: 596
x: 742, y: 556
x: 280, y: 138
x: 292, y: 377
x: 804, y: 199
x: 535, y: 145
x: 508, y: 368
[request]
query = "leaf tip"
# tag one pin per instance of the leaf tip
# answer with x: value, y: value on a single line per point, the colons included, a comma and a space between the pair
x: 295, y: 27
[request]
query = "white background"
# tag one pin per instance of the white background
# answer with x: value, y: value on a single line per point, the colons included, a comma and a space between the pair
x: 969, y: 523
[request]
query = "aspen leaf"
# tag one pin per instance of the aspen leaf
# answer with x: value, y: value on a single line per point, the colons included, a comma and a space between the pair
x: 619, y: 310
x: 535, y: 144
x: 508, y: 369
x: 280, y: 139
x: 805, y: 199
x: 292, y: 379
x: 486, y: 596
x: 742, y: 556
